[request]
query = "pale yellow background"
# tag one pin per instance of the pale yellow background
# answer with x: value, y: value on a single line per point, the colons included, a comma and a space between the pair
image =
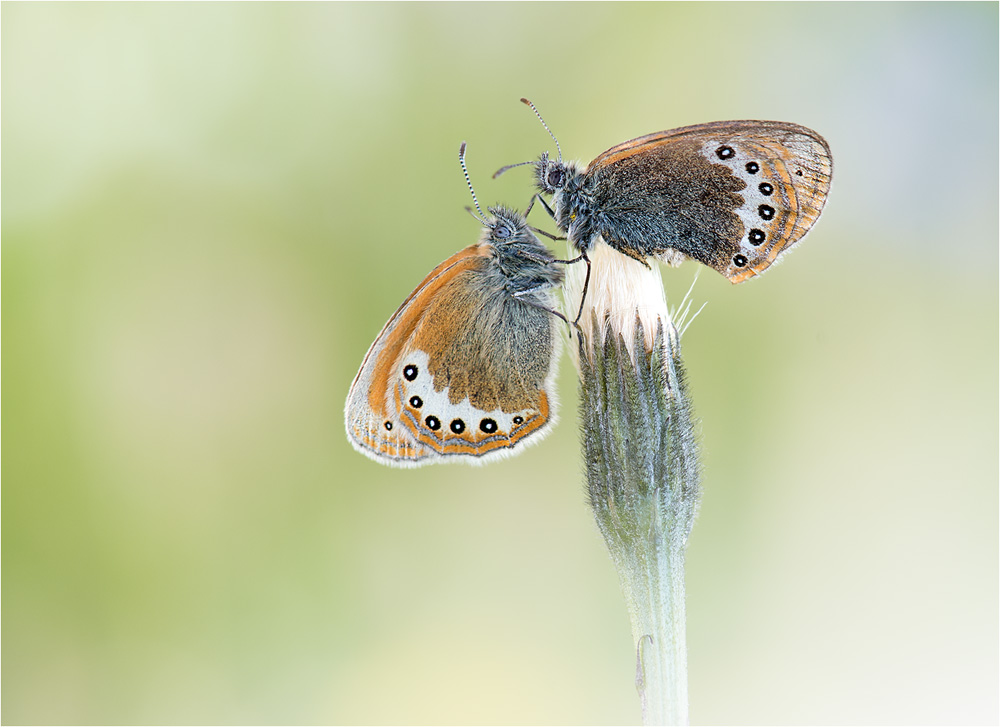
x: 210, y: 210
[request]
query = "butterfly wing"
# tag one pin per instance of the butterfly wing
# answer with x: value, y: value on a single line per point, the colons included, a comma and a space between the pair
x: 373, y: 428
x: 463, y: 370
x: 733, y: 195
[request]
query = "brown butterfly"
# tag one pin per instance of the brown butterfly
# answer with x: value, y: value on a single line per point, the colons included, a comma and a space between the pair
x: 733, y: 195
x: 464, y: 369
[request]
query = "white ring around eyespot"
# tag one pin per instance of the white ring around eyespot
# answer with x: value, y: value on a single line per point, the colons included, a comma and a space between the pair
x: 753, y: 198
x: 437, y: 403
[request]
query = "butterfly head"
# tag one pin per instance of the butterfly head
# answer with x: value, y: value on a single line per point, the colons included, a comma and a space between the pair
x: 524, y: 260
x: 552, y: 175
x: 506, y: 227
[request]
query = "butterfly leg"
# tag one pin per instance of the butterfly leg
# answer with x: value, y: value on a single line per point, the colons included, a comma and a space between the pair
x: 578, y: 258
x: 536, y: 289
x: 586, y: 283
x: 546, y: 234
x: 539, y: 198
x: 532, y: 303
x: 632, y: 254
x: 541, y: 259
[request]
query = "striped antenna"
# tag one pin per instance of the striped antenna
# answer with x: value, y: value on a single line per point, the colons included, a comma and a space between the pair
x: 465, y: 171
x: 528, y: 103
x: 500, y: 171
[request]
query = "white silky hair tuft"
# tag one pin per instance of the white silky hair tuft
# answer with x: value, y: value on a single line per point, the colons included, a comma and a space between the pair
x: 620, y: 290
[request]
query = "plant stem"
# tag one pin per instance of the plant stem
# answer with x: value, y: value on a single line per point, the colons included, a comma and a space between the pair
x: 641, y: 458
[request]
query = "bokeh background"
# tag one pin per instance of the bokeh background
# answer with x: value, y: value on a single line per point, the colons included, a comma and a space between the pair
x: 209, y: 211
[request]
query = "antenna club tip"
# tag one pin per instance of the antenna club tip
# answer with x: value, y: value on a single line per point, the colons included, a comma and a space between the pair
x: 525, y: 101
x: 461, y: 149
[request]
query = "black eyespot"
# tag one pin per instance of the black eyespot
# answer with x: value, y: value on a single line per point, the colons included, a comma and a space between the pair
x: 410, y: 372
x: 416, y: 402
x: 501, y: 231
x: 765, y: 188
x: 753, y: 167
x: 388, y: 426
x: 433, y: 423
x: 725, y: 152
x: 798, y: 172
x: 556, y: 178
x: 756, y: 236
x: 518, y: 420
x: 766, y: 212
x: 739, y: 260
x: 488, y: 425
x: 457, y: 426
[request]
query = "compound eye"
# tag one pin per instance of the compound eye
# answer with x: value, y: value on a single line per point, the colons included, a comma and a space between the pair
x: 501, y: 231
x: 556, y: 178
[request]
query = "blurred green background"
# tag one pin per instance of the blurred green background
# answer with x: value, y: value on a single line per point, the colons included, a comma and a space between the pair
x: 209, y: 211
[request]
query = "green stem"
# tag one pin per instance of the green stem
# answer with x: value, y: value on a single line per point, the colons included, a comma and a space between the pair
x: 642, y: 475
